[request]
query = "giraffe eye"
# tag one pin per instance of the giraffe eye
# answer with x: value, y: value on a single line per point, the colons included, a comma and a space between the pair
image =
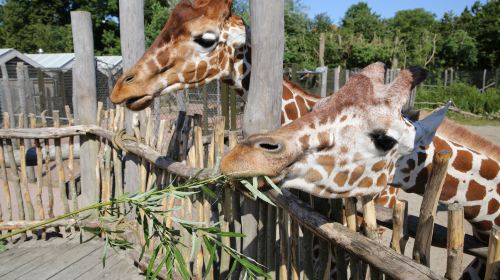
x: 382, y: 141
x: 269, y: 147
x: 206, y: 40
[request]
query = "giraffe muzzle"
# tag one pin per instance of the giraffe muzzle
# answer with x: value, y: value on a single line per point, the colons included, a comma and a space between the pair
x: 139, y: 103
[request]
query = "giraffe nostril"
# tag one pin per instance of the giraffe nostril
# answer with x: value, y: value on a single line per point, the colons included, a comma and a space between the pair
x: 129, y: 79
x: 271, y: 147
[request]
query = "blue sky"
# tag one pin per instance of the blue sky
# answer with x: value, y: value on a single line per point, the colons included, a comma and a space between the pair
x: 386, y: 8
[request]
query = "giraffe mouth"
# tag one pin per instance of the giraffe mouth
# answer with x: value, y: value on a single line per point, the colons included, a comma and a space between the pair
x: 139, y: 103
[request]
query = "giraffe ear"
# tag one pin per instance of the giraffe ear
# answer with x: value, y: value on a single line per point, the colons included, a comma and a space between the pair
x: 399, y: 90
x: 425, y: 129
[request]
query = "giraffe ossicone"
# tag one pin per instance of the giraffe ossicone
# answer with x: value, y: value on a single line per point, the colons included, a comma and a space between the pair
x: 347, y: 146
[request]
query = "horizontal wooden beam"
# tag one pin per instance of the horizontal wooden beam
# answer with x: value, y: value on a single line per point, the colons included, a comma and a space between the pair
x: 384, y: 258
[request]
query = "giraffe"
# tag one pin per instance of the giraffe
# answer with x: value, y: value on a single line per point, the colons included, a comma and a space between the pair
x: 356, y: 142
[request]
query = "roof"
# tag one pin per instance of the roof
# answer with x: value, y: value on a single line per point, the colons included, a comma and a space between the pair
x: 8, y: 54
x: 64, y: 61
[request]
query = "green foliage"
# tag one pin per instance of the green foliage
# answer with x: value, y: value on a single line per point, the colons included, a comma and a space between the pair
x: 164, y: 240
x: 465, y: 97
x: 359, y: 19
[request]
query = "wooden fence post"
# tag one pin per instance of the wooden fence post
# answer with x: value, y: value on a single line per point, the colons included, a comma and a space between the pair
x: 493, y: 261
x: 455, y: 241
x: 336, y: 79
x: 423, y: 238
x: 133, y: 47
x: 85, y: 101
x: 263, y: 109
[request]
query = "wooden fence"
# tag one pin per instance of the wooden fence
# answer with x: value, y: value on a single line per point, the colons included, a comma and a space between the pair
x: 290, y: 254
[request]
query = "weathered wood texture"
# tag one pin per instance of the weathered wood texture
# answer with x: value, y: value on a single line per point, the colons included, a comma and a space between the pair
x: 133, y: 47
x: 454, y: 264
x: 84, y: 99
x: 423, y: 239
x: 389, y: 262
x: 493, y: 260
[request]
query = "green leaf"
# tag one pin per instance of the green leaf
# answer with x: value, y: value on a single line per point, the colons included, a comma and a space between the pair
x: 105, y: 252
x: 273, y: 185
x: 152, y: 262
x: 256, y: 192
x: 209, y: 192
x: 181, y: 264
x: 212, y: 252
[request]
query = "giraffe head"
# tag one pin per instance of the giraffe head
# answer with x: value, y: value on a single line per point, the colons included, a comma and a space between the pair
x: 347, y: 146
x: 200, y: 42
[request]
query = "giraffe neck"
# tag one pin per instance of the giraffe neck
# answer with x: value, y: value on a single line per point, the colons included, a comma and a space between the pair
x: 472, y: 179
x: 296, y: 102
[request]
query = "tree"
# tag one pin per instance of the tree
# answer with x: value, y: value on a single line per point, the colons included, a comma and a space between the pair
x: 359, y: 19
x: 459, y: 50
x: 322, y: 23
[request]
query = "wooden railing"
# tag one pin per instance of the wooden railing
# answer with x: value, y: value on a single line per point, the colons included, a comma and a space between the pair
x: 201, y: 163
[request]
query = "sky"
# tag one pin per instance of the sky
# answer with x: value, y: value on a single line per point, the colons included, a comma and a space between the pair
x: 385, y: 8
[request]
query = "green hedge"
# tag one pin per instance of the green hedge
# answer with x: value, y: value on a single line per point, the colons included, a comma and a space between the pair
x: 465, y: 97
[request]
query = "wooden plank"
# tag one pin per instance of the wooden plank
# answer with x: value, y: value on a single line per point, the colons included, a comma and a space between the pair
x: 423, y: 238
x: 50, y: 186
x: 86, y: 264
x: 5, y: 185
x: 57, y: 262
x: 384, y: 258
x: 7, y: 91
x: 16, y: 265
x: 400, y: 226
x: 85, y: 100
x: 30, y: 211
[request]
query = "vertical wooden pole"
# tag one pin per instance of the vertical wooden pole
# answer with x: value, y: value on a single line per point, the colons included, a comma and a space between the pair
x: 71, y: 162
x: 399, y: 228
x: 85, y: 101
x: 294, y: 249
x: 455, y: 242
x: 50, y: 200
x: 445, y: 77
x: 352, y: 224
x: 21, y: 91
x: 322, y: 49
x: 493, y: 260
x: 133, y: 47
x: 370, y: 221
x: 5, y: 183
x: 263, y: 110
x: 41, y: 90
x: 336, y: 79
x: 39, y: 173
x: 30, y: 212
x: 283, y: 230
x: 15, y: 178
x: 225, y: 103
x: 483, y: 88
x: 423, y: 238
x: 60, y: 166
x: 7, y: 92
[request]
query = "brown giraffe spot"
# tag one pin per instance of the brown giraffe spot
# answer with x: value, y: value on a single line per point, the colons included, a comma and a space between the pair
x: 366, y: 182
x: 493, y: 206
x: 212, y: 72
x: 323, y: 140
x: 202, y: 70
x: 463, y: 161
x: 341, y: 178
x: 287, y: 94
x: 441, y: 145
x: 421, y: 180
x: 356, y: 174
x: 225, y: 36
x: 489, y: 169
x: 189, y: 76
x: 378, y: 166
x: 328, y: 163
x: 282, y: 116
x: 450, y: 187
x: 470, y: 212
x: 343, y: 118
x: 382, y: 180
x: 304, y: 140
x: 382, y: 200
x: 301, y: 103
x: 291, y: 111
x: 421, y: 157
x: 241, y: 69
x: 312, y: 176
x: 482, y: 225
x: 213, y: 60
x: 344, y: 149
x: 343, y: 163
x: 475, y: 191
x: 497, y: 220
